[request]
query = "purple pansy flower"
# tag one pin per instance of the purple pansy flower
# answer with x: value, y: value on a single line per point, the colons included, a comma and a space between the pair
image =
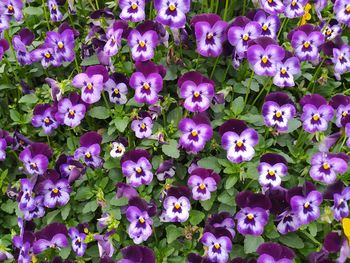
x: 305, y: 40
x: 139, y: 214
x: 70, y: 110
x: 254, y: 213
x: 24, y: 241
x: 78, y: 244
x: 114, y: 37
x: 325, y: 167
x: 219, y: 246
x: 118, y: 147
x: 142, y: 126
x: 195, y: 258
x: 69, y: 168
x: 270, y: 25
x: 331, y: 30
x: 52, y: 236
x: 341, y: 104
x: 264, y: 56
x: 341, y: 59
x: 222, y: 220
x: 133, y: 10
x: 197, y: 90
x: 35, y: 158
x: 176, y: 205
x: 273, y: 7
x: 4, y: 46
x: 137, y: 167
x: 316, y: 113
x: 277, y: 110
x: 137, y: 254
x: 38, y: 210
x: 342, y: 11
x: 294, y: 8
x: 26, y: 201
x: 5, y: 140
x: 91, y: 83
x: 12, y: 8
x: 142, y: 44
x: 209, y: 33
x: 195, y: 133
x: 43, y: 117
x: 271, y: 168
x: 307, y: 208
x: 274, y: 253
x: 90, y: 149
x: 62, y: 44
x: 202, y: 182
x: 46, y: 55
x: 340, y: 196
x: 117, y: 88
x: 20, y: 42
x: 286, y: 69
x: 125, y: 190
x: 105, y: 245
x: 55, y: 13
x: 172, y: 13
x: 241, y: 33
x: 166, y: 170
x: 147, y: 81
x: 238, y: 140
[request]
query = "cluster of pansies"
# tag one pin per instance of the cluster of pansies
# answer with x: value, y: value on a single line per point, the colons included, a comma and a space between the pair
x: 131, y: 128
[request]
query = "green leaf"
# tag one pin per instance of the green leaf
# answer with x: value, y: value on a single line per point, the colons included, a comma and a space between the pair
x: 292, y: 240
x: 238, y: 105
x: 51, y: 216
x: 231, y: 181
x: 33, y: 11
x: 171, y: 149
x: 196, y: 217
x: 65, y: 211
x: 64, y: 252
x: 99, y: 112
x: 92, y: 60
x: 210, y: 163
x: 119, y: 202
x: 14, y: 115
x: 121, y: 123
x: 207, y: 204
x: 172, y: 233
x: 293, y: 124
x: 251, y: 243
x: 83, y: 193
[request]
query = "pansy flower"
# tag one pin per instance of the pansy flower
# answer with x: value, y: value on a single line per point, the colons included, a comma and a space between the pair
x: 341, y: 59
x: 176, y: 205
x: 195, y: 133
x: 166, y: 170
x: 12, y: 8
x: 254, y: 213
x: 118, y: 147
x: 78, y: 241
x: 142, y: 42
x: 52, y: 236
x: 62, y: 43
x: 35, y: 158
x: 20, y: 42
x: 117, y: 88
x: 24, y: 241
x: 38, y: 211
x: 202, y: 182
x: 197, y: 90
x: 306, y: 40
x: 90, y: 149
x: 69, y: 168
x: 241, y: 33
x: 326, y: 166
x: 219, y: 245
x: 55, y: 13
x: 104, y: 244
x: 195, y: 258
x: 114, y: 36
x: 137, y: 254
x: 270, y: 25
x: 271, y: 168
x: 264, y: 55
x: 238, y: 140
x: 26, y: 201
x: 70, y: 110
x: 210, y: 34
x: 331, y: 30
x: 274, y: 253
x: 222, y: 220
x: 139, y: 214
x: 172, y: 13
x: 137, y: 167
x: 43, y: 117
x: 5, y: 140
x: 125, y: 190
x: 273, y: 7
x: 340, y: 195
x: 133, y: 10
x: 4, y: 46
x: 147, y: 81
x: 341, y: 104
x: 91, y: 83
x: 342, y: 11
x: 286, y: 69
x: 316, y: 113
x: 142, y: 125
x: 46, y: 56
x: 294, y: 8
x: 278, y: 109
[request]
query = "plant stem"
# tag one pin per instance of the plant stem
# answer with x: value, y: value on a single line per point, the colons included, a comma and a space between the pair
x: 248, y: 88
x: 105, y: 100
x: 284, y: 23
x: 262, y: 90
x: 150, y: 10
x: 216, y: 62
x: 226, y: 9
x: 315, y: 76
x: 45, y: 14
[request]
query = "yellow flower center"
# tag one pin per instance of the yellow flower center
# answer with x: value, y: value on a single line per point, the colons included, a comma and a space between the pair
x: 347, y: 8
x: 33, y: 165
x: 71, y: 167
x: 55, y: 190
x: 120, y: 149
x: 138, y: 169
x: 217, y: 246
x: 142, y: 43
x: 283, y: 71
x: 54, y: 7
x: 294, y: 3
x: 306, y: 44
x: 88, y: 155
x: 210, y: 36
x: 328, y: 32
x: 47, y: 55
x: 89, y: 86
x: 307, y: 204
x: 250, y: 216
x: 10, y: 8
x: 143, y: 126
x: 116, y: 91
x: 239, y: 143
x: 202, y: 186
x: 141, y: 220
x: 265, y: 27
x: 196, y: 94
x: 177, y: 205
x: 46, y: 120
x: 134, y: 6
x: 270, y: 1
x: 271, y: 173
x: 341, y: 57
x: 86, y: 230
x: 326, y: 166
x: 71, y: 112
x: 265, y: 59
x: 60, y: 45
x: 146, y: 86
x: 316, y: 117
x: 278, y: 114
x: 194, y: 133
x: 245, y: 37
x: 172, y: 7
x: 344, y: 114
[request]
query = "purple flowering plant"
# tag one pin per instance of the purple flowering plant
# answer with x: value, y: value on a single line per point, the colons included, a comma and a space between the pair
x: 145, y: 131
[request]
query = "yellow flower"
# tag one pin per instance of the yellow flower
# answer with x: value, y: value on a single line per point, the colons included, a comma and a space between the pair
x: 307, y: 16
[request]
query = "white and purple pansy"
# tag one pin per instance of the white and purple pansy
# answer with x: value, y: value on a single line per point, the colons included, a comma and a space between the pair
x: 270, y: 24
x: 38, y: 210
x: 117, y: 88
x: 202, y: 182
x: 273, y: 7
x: 254, y: 213
x: 147, y: 81
x: 197, y: 90
x: 90, y: 149
x: 55, y: 13
x: 132, y: 10
x: 341, y: 104
x: 118, y: 147
x: 46, y: 56
x: 286, y: 69
x: 316, y: 113
x: 210, y: 33
x: 219, y: 245
x: 125, y: 190
x: 43, y: 116
x: 278, y: 109
x: 26, y: 201
x: 306, y: 40
x: 195, y: 133
x: 12, y: 8
x: 166, y: 170
x: 136, y: 253
x: 271, y: 168
x: 274, y: 253
x: 342, y: 11
x: 176, y: 205
x: 5, y: 140
x: 70, y: 110
x: 20, y: 42
x: 78, y: 241
x: 142, y: 125
x: 91, y: 83
x: 341, y: 59
x: 294, y: 8
x: 263, y: 55
x: 139, y: 213
x: 326, y: 166
x: 331, y: 30
x: 340, y: 195
x: 35, y: 158
x: 69, y: 168
x: 238, y: 140
x: 137, y: 168
x: 172, y: 13
x: 223, y: 220
x: 62, y: 44
x: 104, y: 244
x: 114, y: 37
x: 52, y: 236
